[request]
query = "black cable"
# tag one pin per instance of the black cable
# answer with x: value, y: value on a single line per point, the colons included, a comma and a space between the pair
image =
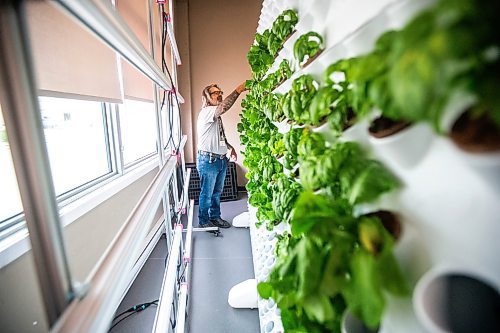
x: 131, y: 311
x: 175, y: 319
x: 136, y: 308
x: 119, y: 321
x: 169, y: 110
x: 180, y: 279
x: 163, y: 62
x: 174, y: 88
x: 164, y: 67
x: 170, y: 138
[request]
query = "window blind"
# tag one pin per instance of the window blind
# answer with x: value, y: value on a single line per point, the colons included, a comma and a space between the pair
x: 69, y: 61
x: 135, y: 84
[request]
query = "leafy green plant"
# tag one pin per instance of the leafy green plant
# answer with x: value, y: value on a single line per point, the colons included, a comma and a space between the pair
x: 270, y: 106
x: 345, y: 172
x: 307, y: 46
x: 297, y: 101
x: 291, y: 140
x: 259, y: 57
x: 285, y: 23
x: 310, y: 144
x: 276, y: 144
x: 331, y: 262
x: 285, y: 193
x: 347, y: 100
x: 443, y: 51
x: 323, y: 104
x: 276, y: 78
x: 270, y: 103
x: 413, y: 74
x: 267, y: 45
x: 368, y: 77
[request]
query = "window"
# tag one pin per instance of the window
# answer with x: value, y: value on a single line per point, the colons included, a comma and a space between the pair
x: 76, y: 133
x: 80, y: 144
x: 138, y: 130
x: 9, y: 192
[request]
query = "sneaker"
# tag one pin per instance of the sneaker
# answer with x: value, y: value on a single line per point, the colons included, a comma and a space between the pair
x: 209, y: 224
x: 221, y: 223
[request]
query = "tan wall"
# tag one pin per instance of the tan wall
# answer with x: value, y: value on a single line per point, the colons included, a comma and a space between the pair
x: 220, y: 35
x: 86, y: 239
x: 89, y: 236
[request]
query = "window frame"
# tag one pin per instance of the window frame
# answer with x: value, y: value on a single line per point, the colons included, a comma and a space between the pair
x: 75, y: 193
x: 125, y: 167
x: 73, y: 203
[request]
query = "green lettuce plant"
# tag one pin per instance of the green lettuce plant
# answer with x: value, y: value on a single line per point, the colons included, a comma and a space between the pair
x: 284, y: 24
x: 332, y: 261
x: 291, y: 140
x: 268, y: 43
x: 296, y: 102
x: 307, y: 46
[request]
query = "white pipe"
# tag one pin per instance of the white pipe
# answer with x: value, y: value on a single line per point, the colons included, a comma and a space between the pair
x: 181, y: 319
x: 162, y: 319
x: 173, y: 42
x: 185, y: 190
x: 184, y: 290
x: 183, y: 142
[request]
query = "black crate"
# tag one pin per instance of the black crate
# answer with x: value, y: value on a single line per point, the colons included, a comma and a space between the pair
x: 230, y: 190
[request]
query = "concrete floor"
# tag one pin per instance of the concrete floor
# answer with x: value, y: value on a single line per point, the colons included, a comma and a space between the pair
x: 218, y: 263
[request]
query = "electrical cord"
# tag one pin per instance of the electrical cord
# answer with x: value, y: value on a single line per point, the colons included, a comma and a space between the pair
x: 175, y: 319
x: 136, y: 308
x: 174, y: 88
x: 119, y: 321
x: 182, y: 275
x: 132, y: 310
x: 174, y: 94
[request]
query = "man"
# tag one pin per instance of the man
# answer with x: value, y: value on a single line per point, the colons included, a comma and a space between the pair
x: 212, y: 150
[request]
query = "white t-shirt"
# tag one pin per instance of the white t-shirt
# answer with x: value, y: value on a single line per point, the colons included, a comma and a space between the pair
x: 210, y: 133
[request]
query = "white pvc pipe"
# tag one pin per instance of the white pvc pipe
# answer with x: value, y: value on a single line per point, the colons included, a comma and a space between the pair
x: 173, y: 42
x: 184, y: 290
x: 185, y: 190
x: 181, y: 319
x: 162, y: 319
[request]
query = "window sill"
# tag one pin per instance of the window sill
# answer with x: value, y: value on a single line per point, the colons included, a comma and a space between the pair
x: 18, y: 244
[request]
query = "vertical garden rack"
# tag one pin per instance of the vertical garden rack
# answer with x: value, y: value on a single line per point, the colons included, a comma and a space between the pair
x: 449, y: 203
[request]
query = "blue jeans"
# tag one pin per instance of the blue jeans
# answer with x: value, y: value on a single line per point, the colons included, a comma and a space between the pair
x: 212, y: 172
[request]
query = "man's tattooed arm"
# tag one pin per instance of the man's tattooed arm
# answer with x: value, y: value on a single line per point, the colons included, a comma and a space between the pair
x: 226, y: 104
